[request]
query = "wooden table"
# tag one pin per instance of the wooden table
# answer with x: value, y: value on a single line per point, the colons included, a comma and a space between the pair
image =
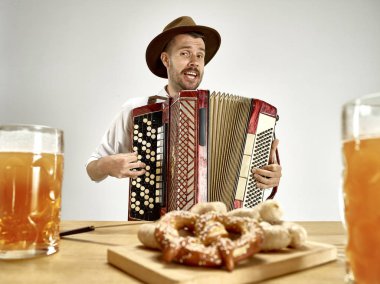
x: 83, y: 258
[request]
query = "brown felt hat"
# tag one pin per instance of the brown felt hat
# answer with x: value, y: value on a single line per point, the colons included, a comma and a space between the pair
x: 181, y: 25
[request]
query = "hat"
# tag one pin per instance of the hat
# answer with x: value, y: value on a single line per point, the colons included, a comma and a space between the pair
x: 181, y: 25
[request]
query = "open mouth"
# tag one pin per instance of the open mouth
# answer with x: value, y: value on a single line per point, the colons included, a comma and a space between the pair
x: 191, y: 74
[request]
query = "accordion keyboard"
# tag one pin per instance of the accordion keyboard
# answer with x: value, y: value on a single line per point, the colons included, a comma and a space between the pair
x: 146, y: 192
x: 256, y: 155
x: 262, y: 148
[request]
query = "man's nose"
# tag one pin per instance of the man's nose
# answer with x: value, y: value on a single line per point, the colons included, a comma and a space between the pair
x: 194, y: 61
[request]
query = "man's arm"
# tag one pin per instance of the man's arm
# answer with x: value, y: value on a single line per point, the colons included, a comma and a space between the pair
x: 269, y: 176
x: 118, y: 165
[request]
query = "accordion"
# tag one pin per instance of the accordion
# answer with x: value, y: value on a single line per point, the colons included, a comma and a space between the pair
x: 199, y: 147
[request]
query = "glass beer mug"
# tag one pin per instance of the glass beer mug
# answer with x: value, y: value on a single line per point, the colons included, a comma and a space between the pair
x: 31, y: 170
x: 361, y: 188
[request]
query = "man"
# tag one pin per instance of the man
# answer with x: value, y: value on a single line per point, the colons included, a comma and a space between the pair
x: 179, y: 54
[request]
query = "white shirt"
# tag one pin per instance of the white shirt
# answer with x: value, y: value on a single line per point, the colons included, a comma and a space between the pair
x: 117, y: 138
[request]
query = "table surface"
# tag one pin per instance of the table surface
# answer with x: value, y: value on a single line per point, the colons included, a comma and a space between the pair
x: 82, y: 258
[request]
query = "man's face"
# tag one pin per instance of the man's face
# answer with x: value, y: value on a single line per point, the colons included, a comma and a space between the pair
x: 184, y: 60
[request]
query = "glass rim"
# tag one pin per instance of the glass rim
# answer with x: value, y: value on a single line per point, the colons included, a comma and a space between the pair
x: 30, y: 127
x: 372, y: 99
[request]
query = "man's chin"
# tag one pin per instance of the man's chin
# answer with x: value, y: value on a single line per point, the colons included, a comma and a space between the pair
x: 190, y: 87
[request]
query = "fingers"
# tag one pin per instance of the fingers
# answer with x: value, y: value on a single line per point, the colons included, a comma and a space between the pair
x: 126, y: 165
x: 267, y: 176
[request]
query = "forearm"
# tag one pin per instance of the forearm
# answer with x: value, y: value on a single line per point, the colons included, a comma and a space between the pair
x: 97, y: 169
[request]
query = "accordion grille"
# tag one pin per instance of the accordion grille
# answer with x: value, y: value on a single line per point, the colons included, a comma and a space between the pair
x: 228, y: 120
x: 183, y: 141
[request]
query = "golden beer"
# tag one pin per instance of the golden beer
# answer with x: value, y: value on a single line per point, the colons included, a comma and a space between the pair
x: 362, y: 202
x: 30, y: 200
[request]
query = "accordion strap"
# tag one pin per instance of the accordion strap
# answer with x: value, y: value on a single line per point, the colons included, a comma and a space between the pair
x: 274, y: 190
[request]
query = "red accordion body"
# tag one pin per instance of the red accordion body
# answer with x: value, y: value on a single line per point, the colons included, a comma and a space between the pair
x: 201, y: 148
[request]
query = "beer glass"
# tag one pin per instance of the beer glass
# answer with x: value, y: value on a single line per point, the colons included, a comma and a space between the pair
x: 31, y: 170
x: 361, y: 188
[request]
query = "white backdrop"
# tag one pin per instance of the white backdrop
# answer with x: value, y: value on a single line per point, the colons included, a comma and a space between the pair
x: 71, y: 64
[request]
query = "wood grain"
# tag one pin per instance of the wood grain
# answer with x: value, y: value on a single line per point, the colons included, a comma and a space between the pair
x: 146, y: 265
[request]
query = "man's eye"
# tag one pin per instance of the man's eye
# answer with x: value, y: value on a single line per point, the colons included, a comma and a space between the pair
x: 200, y: 56
x: 185, y: 53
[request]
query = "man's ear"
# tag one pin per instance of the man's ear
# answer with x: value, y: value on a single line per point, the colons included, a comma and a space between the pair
x: 165, y: 59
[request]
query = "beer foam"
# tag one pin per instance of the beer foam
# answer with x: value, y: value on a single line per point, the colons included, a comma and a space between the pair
x: 33, y: 139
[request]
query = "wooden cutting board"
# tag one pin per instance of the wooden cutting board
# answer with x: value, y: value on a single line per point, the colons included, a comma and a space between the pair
x: 146, y: 265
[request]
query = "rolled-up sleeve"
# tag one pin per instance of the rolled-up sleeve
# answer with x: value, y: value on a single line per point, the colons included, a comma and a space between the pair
x: 117, y: 138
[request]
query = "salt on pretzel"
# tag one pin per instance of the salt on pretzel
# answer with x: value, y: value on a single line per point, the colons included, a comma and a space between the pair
x: 208, y: 243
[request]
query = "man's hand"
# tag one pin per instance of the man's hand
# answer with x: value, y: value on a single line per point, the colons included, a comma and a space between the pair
x: 269, y: 176
x: 119, y: 165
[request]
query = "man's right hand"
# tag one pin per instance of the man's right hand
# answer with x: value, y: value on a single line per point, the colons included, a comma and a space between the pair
x: 119, y: 165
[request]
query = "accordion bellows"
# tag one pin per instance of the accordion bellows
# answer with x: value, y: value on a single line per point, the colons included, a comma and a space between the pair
x: 199, y: 147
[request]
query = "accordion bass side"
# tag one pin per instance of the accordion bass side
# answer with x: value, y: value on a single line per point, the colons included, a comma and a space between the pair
x: 207, y: 145
x: 147, y: 193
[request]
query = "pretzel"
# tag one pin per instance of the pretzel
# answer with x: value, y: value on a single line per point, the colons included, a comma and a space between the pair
x: 208, y: 238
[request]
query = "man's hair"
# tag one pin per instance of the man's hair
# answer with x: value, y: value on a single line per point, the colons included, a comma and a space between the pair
x: 192, y: 34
